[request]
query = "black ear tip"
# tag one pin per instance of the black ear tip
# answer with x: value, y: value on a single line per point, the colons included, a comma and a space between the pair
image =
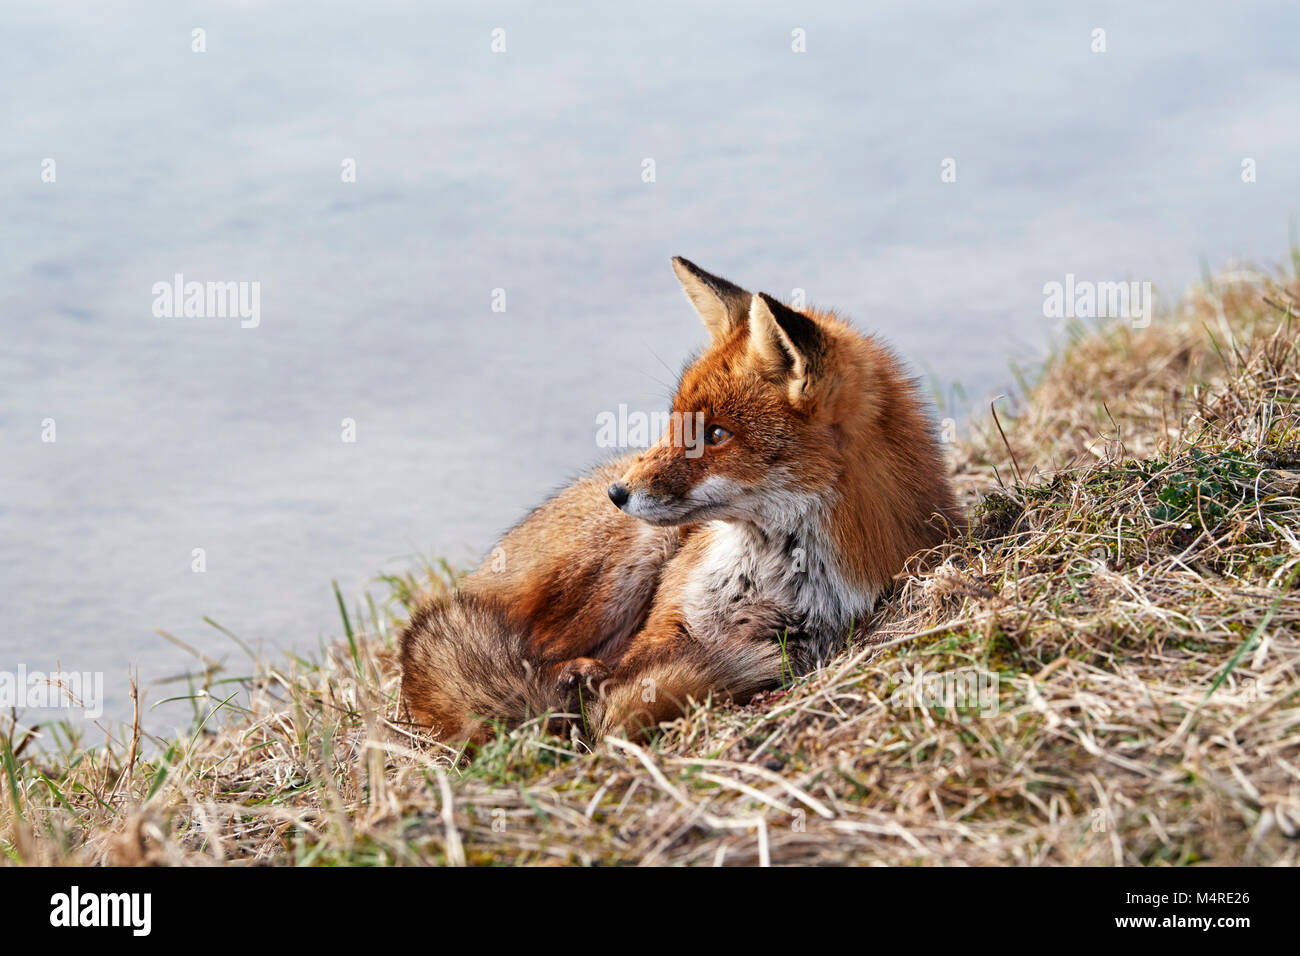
x: 801, y: 327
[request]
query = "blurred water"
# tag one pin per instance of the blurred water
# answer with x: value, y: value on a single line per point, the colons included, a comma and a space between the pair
x: 522, y: 170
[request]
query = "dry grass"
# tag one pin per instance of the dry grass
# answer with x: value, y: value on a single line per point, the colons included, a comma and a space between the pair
x: 1127, y: 601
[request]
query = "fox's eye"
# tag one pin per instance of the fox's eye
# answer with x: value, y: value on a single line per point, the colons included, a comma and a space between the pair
x: 715, y: 435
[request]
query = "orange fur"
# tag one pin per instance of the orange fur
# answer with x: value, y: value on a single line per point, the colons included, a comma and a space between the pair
x: 820, y: 477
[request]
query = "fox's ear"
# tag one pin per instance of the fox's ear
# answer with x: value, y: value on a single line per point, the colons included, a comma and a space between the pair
x: 787, y: 345
x: 721, y: 305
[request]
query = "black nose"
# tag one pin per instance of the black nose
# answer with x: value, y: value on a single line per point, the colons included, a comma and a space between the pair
x: 618, y: 494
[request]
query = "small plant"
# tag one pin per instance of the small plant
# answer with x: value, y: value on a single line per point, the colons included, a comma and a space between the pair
x: 1203, y: 489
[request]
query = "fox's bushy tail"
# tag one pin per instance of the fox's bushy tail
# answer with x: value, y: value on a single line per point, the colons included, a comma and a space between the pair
x: 466, y: 665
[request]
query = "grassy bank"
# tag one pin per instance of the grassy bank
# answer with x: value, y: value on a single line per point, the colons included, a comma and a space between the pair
x: 1106, y: 671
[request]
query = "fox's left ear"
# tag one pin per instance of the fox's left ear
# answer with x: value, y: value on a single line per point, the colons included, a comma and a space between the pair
x: 722, y: 306
x: 788, y: 347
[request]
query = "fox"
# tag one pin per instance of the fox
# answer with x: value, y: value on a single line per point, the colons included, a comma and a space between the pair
x: 701, y: 570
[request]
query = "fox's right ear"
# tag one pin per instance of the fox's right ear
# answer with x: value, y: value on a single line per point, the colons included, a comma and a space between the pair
x: 721, y: 305
x: 788, y: 346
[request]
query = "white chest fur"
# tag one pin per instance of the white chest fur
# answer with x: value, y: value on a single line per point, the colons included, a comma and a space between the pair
x: 794, y: 570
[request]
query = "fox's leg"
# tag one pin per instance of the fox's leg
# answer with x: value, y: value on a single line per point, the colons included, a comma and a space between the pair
x: 587, y: 671
x: 666, y: 666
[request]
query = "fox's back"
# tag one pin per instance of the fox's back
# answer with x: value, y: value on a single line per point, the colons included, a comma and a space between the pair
x: 580, y: 572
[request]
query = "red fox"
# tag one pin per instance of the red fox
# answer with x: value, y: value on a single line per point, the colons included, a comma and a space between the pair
x: 716, y: 566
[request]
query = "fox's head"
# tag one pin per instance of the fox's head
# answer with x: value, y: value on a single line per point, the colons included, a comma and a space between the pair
x: 757, y: 430
x: 792, y: 420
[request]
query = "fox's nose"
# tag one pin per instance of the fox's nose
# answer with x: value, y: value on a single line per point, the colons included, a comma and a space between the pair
x: 618, y: 494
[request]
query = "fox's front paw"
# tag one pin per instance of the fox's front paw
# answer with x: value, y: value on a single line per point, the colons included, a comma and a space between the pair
x: 584, y: 671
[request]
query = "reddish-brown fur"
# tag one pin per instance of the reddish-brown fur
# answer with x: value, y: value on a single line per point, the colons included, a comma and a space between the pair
x: 684, y: 590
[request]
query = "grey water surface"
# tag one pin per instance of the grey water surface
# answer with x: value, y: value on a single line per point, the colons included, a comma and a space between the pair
x: 524, y: 170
